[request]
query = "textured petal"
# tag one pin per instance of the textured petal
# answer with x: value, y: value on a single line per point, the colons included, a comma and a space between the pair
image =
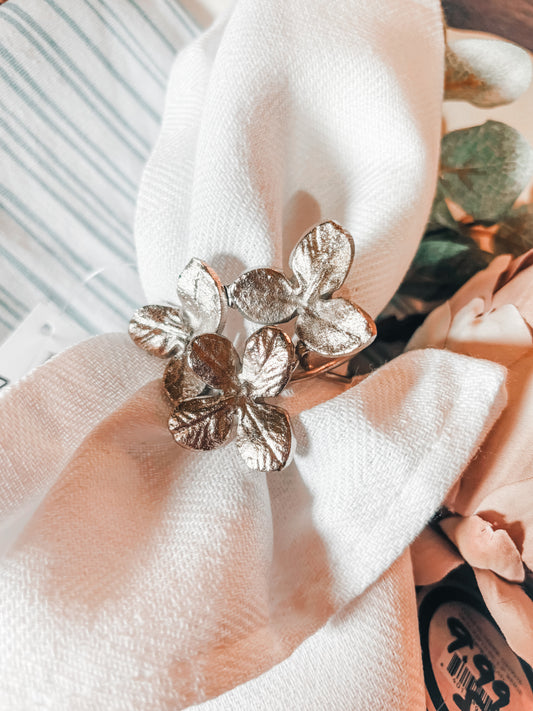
x: 334, y: 328
x: 511, y: 506
x: 203, y: 423
x: 160, y: 330
x: 264, y: 296
x: 500, y: 335
x: 433, y: 557
x: 180, y: 382
x: 511, y: 609
x: 481, y: 285
x: 268, y: 362
x: 483, y: 547
x: 202, y: 296
x: 215, y: 361
x: 433, y: 331
x: 515, y: 287
x: 264, y: 437
x: 322, y: 259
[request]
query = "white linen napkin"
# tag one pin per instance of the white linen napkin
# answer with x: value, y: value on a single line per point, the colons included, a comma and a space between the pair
x: 150, y: 577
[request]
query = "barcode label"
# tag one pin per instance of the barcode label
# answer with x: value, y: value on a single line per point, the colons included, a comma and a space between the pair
x: 468, y: 665
x: 476, y: 697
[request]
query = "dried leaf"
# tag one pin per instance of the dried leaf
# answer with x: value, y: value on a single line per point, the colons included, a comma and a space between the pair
x: 264, y: 296
x: 160, y: 330
x: 486, y: 72
x: 264, y: 437
x: 180, y: 382
x: 321, y: 260
x: 485, y: 168
x: 203, y: 423
x: 335, y: 327
x: 268, y: 362
x: 202, y: 296
x: 215, y: 361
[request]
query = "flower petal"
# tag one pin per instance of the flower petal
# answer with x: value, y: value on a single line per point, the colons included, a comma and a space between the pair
x: 160, y: 330
x: 483, y: 547
x: 500, y: 335
x: 264, y: 437
x: 433, y: 331
x: 512, y: 610
x: 202, y: 296
x: 263, y: 296
x: 203, y: 423
x: 215, y: 361
x: 510, y: 505
x: 180, y: 382
x: 268, y: 362
x: 433, y: 557
x: 322, y: 259
x: 335, y: 328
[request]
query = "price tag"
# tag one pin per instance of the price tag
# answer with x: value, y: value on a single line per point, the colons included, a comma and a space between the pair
x: 468, y: 665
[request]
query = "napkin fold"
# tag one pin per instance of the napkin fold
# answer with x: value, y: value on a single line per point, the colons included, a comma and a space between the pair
x: 150, y: 577
x: 165, y: 577
x: 286, y: 114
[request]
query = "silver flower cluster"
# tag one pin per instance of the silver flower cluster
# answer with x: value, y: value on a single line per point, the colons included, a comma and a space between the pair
x: 219, y: 397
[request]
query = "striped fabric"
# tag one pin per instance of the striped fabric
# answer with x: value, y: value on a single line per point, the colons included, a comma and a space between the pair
x: 82, y: 88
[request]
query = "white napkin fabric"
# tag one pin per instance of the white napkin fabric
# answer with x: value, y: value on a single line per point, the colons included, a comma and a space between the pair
x: 149, y: 577
x: 152, y: 578
x: 286, y: 114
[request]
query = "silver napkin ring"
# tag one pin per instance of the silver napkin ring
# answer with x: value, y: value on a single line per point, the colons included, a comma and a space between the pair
x: 219, y: 397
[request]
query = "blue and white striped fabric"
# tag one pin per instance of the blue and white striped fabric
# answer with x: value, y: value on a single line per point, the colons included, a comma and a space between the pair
x: 82, y: 89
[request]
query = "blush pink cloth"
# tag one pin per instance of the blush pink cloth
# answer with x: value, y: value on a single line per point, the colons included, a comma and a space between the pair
x: 492, y: 317
x: 137, y: 575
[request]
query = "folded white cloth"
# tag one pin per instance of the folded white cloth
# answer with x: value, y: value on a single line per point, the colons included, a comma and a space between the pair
x: 150, y: 577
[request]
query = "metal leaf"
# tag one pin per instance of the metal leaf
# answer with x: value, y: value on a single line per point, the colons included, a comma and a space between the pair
x: 180, y: 382
x: 267, y: 362
x: 215, y: 361
x: 203, y: 423
x: 264, y: 437
x: 202, y: 296
x: 263, y: 296
x: 160, y: 330
x: 322, y: 259
x: 335, y: 328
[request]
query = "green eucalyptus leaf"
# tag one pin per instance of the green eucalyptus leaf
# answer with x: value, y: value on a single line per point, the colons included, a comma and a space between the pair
x: 445, y: 260
x: 485, y: 168
x: 440, y: 214
x: 515, y: 233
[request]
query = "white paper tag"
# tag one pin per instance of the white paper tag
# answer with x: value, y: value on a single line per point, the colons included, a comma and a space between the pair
x: 45, y: 332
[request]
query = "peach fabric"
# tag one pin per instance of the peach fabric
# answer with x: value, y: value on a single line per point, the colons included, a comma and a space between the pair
x: 492, y: 317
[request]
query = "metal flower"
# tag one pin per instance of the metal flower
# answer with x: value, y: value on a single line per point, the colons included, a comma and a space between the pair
x: 237, y: 411
x: 166, y: 331
x: 320, y: 263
